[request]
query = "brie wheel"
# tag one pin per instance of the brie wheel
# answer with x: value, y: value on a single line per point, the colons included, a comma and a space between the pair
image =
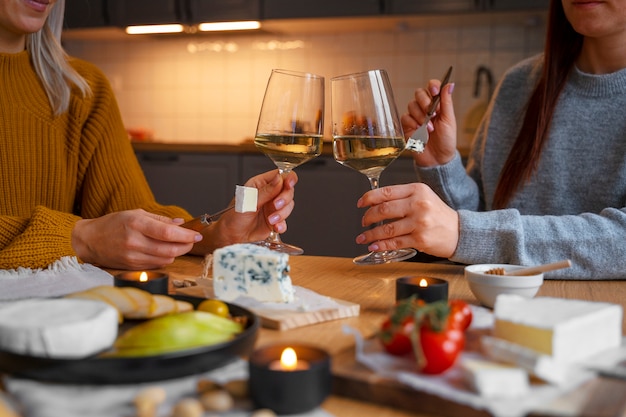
x: 57, y: 327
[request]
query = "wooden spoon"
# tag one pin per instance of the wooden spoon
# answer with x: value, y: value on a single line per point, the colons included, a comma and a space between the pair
x: 532, y: 270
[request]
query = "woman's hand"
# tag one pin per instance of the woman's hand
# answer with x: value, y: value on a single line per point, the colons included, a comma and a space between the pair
x: 415, y: 218
x: 132, y: 239
x: 275, y: 203
x: 441, y: 145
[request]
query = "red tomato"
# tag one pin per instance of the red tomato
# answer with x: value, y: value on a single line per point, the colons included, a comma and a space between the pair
x: 460, y: 314
x: 440, y: 349
x: 396, y: 338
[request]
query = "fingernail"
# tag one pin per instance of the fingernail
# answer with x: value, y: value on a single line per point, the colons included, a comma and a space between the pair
x: 274, y: 218
x: 360, y: 238
x: 280, y: 203
x: 198, y: 237
x: 451, y: 88
x: 276, y: 179
x: 178, y: 220
x: 281, y: 228
x: 433, y: 90
x: 373, y: 247
x: 359, y: 202
x: 430, y: 127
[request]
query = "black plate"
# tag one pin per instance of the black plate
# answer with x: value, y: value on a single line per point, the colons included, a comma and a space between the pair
x: 100, y: 370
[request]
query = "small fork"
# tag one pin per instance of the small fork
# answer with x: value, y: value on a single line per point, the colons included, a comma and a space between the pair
x: 200, y: 222
x: 419, y: 138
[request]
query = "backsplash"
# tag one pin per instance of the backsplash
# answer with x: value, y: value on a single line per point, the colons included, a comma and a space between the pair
x: 208, y: 89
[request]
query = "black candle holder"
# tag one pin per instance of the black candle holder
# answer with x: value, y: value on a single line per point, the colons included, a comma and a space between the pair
x: 289, y: 391
x: 157, y: 282
x: 435, y: 290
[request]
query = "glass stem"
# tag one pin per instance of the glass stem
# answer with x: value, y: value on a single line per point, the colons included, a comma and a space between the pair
x: 274, y: 236
x: 374, y: 183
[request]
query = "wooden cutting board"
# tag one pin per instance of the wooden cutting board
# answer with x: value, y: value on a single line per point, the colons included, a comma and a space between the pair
x: 353, y: 380
x: 288, y: 319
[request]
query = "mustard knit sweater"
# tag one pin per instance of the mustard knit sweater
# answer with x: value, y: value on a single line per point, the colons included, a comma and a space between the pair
x: 56, y: 170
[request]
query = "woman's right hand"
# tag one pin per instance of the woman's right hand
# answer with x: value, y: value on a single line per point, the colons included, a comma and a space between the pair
x: 441, y: 146
x: 132, y: 239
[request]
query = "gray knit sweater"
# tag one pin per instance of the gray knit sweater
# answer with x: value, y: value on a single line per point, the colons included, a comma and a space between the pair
x: 574, y: 205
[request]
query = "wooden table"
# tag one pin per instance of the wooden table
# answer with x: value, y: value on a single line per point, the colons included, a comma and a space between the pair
x: 373, y: 288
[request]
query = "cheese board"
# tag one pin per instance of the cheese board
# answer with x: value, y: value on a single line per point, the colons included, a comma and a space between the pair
x: 285, y: 317
x: 102, y: 370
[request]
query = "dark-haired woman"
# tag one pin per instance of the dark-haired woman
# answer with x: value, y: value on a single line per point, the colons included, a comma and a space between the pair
x: 546, y: 177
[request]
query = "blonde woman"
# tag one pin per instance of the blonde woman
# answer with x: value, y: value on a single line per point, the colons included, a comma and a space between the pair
x: 69, y: 180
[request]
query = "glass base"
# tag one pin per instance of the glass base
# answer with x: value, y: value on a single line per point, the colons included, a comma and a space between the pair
x: 281, y: 247
x: 375, y: 258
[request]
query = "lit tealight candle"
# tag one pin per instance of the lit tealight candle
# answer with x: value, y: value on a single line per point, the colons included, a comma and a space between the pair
x: 289, y: 362
x: 151, y: 281
x: 424, y: 288
x: 289, y: 380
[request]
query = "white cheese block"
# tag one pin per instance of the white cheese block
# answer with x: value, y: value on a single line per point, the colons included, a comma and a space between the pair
x: 57, y: 328
x: 494, y: 380
x: 254, y: 271
x: 245, y: 199
x: 539, y: 365
x: 567, y: 330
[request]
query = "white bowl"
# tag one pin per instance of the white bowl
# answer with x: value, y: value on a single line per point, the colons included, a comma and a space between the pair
x: 486, y: 287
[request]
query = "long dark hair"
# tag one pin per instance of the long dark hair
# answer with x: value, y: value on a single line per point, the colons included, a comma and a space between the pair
x: 562, y: 47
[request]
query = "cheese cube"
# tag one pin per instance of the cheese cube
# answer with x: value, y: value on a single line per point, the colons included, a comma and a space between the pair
x: 491, y: 379
x: 254, y: 271
x: 57, y: 327
x: 245, y: 199
x: 567, y: 330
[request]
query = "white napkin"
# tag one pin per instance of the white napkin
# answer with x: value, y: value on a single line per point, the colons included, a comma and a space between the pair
x: 450, y: 385
x: 62, y: 277
x: 40, y: 399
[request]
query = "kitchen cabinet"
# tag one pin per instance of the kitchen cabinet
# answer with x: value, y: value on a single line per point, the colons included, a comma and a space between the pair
x: 325, y: 219
x: 135, y: 12
x: 513, y: 5
x: 461, y: 6
x: 285, y: 9
x: 198, y: 182
x: 85, y: 13
x: 224, y: 10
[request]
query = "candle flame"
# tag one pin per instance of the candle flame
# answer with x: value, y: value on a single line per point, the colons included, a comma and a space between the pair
x: 423, y: 283
x: 143, y: 277
x: 289, y: 359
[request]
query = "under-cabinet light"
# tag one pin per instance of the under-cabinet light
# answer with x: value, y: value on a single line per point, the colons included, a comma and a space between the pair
x: 222, y: 26
x: 151, y: 29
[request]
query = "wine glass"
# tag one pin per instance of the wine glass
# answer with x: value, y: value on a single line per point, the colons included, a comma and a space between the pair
x: 367, y: 136
x: 290, y: 128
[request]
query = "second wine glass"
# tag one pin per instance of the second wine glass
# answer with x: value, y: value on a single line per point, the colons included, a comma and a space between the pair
x: 290, y: 128
x: 367, y: 136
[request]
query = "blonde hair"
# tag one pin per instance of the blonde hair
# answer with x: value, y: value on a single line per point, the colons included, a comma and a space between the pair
x: 51, y: 61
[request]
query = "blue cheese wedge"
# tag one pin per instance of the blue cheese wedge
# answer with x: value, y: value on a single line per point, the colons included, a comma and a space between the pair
x: 253, y: 271
x: 57, y: 328
x: 564, y: 329
x: 245, y: 199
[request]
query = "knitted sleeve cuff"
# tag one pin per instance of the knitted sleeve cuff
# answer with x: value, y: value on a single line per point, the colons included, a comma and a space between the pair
x: 46, y: 237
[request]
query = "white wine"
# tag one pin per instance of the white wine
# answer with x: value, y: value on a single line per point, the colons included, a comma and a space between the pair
x: 369, y: 155
x: 289, y: 150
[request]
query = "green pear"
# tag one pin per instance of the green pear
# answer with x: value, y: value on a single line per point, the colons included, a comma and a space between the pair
x: 175, y: 332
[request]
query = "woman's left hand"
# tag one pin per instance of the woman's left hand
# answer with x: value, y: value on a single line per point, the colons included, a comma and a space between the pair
x: 275, y: 203
x: 414, y: 216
